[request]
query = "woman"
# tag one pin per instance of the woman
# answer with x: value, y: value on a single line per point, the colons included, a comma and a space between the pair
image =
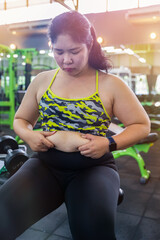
x: 73, y: 163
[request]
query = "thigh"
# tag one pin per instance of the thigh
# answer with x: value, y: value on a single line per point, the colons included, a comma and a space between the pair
x: 91, y: 200
x: 26, y: 197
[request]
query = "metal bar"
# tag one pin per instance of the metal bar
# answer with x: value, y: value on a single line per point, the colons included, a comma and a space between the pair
x: 63, y: 4
x: 5, y: 5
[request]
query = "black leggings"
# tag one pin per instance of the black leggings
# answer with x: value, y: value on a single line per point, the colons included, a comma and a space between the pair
x: 90, y: 194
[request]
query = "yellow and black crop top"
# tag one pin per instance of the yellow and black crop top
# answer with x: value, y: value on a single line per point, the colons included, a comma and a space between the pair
x: 86, y: 115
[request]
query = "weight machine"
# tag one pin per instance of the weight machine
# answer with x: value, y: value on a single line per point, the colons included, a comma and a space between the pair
x: 7, y: 102
x: 18, y: 68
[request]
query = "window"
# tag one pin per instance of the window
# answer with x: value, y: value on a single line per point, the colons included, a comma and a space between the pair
x: 15, y: 3
x: 114, y: 5
x: 37, y: 2
x: 8, y: 4
x: 88, y: 6
x: 157, y: 86
x: 145, y: 3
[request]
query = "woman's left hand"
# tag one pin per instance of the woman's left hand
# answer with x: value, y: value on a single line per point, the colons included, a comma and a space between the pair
x: 96, y: 147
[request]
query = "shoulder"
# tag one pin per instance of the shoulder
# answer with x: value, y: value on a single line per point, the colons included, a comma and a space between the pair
x: 114, y: 87
x: 111, y: 81
x: 42, y: 80
x: 44, y: 76
x: 40, y: 83
x: 108, y: 76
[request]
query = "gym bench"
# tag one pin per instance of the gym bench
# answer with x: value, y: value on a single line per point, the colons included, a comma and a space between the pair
x: 134, y: 151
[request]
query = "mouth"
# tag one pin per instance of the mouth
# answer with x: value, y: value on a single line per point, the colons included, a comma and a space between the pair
x: 68, y: 69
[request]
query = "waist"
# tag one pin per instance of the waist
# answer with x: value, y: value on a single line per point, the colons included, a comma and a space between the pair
x: 98, y: 131
x: 74, y: 160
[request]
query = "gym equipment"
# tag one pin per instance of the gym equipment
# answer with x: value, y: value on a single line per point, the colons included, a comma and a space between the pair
x: 134, y: 151
x: 151, y: 105
x: 121, y: 196
x: 15, y: 157
x: 18, y: 68
x: 7, y: 104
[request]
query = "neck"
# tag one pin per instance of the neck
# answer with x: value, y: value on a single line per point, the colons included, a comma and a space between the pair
x: 87, y: 71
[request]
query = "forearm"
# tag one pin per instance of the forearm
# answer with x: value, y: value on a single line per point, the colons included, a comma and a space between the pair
x: 131, y: 135
x: 22, y: 128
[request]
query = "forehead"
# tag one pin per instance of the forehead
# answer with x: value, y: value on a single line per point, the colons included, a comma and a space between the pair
x: 66, y: 41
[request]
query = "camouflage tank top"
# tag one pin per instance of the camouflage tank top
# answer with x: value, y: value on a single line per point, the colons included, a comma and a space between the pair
x: 85, y: 115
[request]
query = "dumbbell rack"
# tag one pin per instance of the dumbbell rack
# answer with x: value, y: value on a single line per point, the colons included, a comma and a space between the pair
x: 2, y: 167
x: 3, y: 171
x: 3, y: 156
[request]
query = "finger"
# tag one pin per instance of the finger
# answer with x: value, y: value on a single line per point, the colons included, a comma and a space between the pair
x: 86, y: 152
x: 86, y: 155
x: 89, y: 136
x: 48, y: 133
x: 83, y: 148
x: 83, y: 135
x: 41, y: 148
x: 47, y: 143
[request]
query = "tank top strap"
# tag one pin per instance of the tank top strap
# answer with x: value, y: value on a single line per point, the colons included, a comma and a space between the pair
x: 53, y: 78
x: 97, y: 81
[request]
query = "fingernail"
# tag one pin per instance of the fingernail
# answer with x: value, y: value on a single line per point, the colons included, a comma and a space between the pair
x: 83, y: 135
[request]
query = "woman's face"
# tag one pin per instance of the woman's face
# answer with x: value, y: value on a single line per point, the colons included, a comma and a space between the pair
x: 71, y: 56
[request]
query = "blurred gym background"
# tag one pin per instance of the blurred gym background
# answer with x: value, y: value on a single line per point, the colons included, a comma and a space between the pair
x: 129, y: 33
x: 127, y: 30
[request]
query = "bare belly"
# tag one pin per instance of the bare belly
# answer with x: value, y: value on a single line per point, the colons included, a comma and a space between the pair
x: 67, y: 141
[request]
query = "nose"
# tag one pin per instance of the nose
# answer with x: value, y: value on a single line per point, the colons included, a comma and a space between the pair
x: 67, y: 59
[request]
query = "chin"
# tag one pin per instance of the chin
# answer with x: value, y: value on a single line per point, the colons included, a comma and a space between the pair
x: 71, y: 72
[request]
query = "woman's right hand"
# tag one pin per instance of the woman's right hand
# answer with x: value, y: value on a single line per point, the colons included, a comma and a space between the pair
x: 38, y: 142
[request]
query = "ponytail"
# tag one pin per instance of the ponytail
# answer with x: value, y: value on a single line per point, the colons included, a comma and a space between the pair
x: 97, y: 58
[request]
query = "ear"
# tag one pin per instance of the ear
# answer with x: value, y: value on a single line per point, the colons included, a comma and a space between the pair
x: 91, y: 45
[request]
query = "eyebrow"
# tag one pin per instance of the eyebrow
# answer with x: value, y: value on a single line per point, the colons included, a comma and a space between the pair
x: 72, y: 49
x: 58, y: 49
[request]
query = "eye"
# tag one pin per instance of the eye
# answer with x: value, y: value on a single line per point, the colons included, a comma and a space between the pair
x: 75, y: 51
x: 59, y: 52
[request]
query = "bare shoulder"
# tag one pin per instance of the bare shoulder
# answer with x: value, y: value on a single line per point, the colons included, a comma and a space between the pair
x: 109, y: 82
x: 41, y: 82
x: 110, y: 79
x: 44, y: 77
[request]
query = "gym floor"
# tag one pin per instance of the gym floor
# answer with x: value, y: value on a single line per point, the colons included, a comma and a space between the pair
x: 137, y: 216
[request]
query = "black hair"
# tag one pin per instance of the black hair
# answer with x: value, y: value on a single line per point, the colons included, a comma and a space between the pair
x: 80, y: 29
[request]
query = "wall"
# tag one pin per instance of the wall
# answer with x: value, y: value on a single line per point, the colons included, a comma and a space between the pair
x: 112, y: 26
x: 117, y: 30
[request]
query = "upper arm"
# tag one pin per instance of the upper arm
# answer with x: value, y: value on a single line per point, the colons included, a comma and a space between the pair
x: 126, y: 106
x: 28, y: 109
